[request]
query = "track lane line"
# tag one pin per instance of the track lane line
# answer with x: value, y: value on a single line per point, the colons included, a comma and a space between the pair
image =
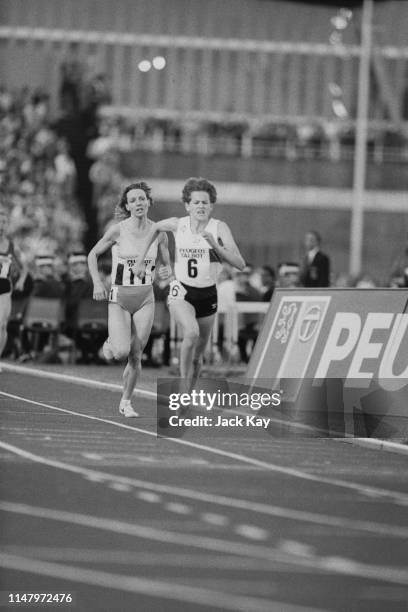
x: 87, y: 382
x: 142, y: 558
x: 366, y: 490
x: 329, y: 564
x: 155, y: 589
x: 374, y: 443
x: 153, y: 490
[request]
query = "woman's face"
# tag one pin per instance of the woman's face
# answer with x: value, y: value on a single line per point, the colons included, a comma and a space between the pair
x: 137, y: 202
x: 199, y: 207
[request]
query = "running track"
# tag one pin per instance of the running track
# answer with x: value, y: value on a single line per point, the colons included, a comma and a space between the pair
x: 98, y: 506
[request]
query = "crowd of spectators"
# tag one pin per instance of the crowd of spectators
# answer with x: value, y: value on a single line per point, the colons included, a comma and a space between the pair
x: 64, y: 284
x: 38, y: 184
x: 37, y: 176
x: 330, y: 139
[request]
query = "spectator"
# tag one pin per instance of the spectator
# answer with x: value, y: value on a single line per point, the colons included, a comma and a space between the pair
x: 226, y: 299
x: 46, y: 283
x: 30, y: 174
x: 71, y: 75
x: 79, y: 286
x: 226, y: 288
x: 65, y: 173
x: 365, y: 281
x: 268, y: 280
x: 249, y: 324
x: 107, y: 181
x: 315, y: 270
x: 288, y: 275
x: 399, y: 270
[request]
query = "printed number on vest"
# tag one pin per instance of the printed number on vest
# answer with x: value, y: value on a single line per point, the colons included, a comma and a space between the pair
x: 192, y: 269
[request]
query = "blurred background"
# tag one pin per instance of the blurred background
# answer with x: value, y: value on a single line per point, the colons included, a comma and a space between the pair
x: 298, y: 111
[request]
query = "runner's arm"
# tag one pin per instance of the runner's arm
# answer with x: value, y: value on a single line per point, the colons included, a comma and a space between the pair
x: 105, y: 243
x: 225, y: 247
x: 165, y: 270
x: 167, y: 225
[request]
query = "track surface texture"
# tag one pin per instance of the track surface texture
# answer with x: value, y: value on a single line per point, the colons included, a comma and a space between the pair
x: 254, y: 522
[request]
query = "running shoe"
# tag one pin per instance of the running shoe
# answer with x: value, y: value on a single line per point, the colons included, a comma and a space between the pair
x: 126, y: 408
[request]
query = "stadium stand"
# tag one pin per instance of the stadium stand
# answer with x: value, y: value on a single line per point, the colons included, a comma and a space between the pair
x: 119, y: 116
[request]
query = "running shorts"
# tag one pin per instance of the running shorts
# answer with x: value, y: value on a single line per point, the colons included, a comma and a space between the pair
x: 131, y: 299
x: 203, y: 299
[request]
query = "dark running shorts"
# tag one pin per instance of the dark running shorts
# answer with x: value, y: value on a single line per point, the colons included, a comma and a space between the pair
x: 203, y: 299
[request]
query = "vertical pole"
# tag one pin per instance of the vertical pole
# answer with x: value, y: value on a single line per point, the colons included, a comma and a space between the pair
x: 357, y: 213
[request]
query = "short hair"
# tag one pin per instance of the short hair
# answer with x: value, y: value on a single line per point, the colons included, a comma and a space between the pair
x: 121, y: 212
x: 198, y: 184
x: 316, y: 235
x: 269, y: 270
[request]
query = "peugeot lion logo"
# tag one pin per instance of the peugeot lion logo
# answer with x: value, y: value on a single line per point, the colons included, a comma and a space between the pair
x: 309, y: 323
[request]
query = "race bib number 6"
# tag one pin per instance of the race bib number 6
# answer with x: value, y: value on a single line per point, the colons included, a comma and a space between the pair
x: 177, y: 291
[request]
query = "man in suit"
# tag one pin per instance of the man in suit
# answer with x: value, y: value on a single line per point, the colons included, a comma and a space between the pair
x: 315, y: 271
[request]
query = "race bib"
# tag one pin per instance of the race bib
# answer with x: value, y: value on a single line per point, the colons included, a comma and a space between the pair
x: 129, y: 277
x: 5, y: 263
x: 176, y: 291
x: 113, y: 295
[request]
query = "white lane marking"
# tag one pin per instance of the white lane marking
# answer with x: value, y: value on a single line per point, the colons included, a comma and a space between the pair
x: 392, y: 496
x: 178, y: 508
x: 330, y: 564
x: 93, y: 456
x: 120, y: 486
x: 87, y: 382
x: 143, y: 558
x: 151, y: 533
x: 377, y: 529
x: 151, y: 588
x: 252, y: 532
x: 220, y: 520
x: 297, y: 548
x: 151, y: 498
x: 373, y: 443
x: 95, y: 477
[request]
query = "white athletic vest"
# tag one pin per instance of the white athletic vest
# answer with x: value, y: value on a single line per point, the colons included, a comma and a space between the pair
x: 124, y: 257
x: 6, y: 260
x: 196, y: 263
x: 5, y: 264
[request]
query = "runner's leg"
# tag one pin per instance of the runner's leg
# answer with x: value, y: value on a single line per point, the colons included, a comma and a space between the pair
x: 184, y: 316
x: 5, y: 309
x: 119, y: 326
x: 205, y: 325
x: 142, y: 322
